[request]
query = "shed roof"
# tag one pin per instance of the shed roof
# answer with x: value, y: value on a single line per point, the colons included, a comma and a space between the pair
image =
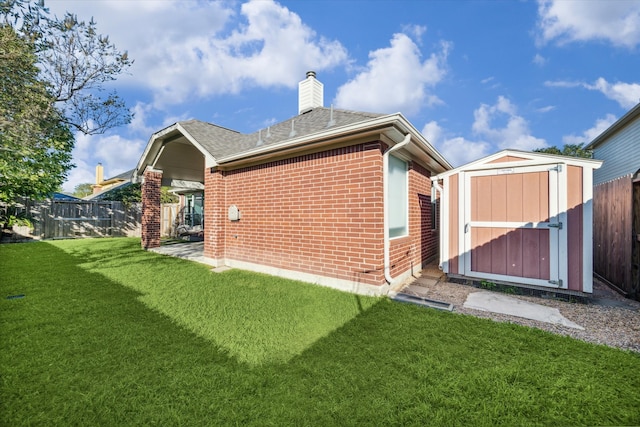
x: 527, y: 157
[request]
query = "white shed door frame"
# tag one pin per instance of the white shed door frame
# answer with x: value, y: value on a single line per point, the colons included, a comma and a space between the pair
x: 556, y: 225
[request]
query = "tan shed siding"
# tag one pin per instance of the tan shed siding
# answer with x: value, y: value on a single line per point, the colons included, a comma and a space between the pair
x: 508, y: 159
x: 574, y: 227
x: 621, y: 154
x: 319, y: 213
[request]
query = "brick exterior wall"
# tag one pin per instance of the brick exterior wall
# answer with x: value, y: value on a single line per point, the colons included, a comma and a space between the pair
x: 318, y: 213
x: 150, y: 232
x: 215, y: 216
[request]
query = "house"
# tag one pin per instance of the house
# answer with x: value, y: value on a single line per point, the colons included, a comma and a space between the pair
x: 616, y: 196
x: 519, y: 217
x: 103, y: 186
x: 335, y: 197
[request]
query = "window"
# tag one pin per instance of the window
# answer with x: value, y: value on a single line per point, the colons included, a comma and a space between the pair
x: 398, y: 195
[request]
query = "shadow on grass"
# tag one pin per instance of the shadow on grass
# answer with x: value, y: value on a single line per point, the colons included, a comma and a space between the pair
x: 254, y: 318
x: 81, y: 349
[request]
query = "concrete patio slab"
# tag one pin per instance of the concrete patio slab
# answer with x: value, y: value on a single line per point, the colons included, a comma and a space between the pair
x: 497, y: 303
x: 192, y: 251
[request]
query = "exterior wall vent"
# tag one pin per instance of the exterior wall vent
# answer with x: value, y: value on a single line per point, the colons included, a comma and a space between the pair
x: 310, y: 93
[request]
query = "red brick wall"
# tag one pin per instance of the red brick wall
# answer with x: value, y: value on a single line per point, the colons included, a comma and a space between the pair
x: 150, y: 233
x: 215, y: 219
x: 320, y: 213
x: 422, y: 242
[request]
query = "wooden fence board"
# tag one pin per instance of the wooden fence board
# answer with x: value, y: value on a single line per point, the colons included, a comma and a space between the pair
x: 612, y: 231
x: 62, y: 219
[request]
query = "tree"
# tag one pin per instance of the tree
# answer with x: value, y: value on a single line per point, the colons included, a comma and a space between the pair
x: 133, y: 193
x: 83, y: 190
x: 573, y: 150
x: 35, y: 142
x: 76, y: 61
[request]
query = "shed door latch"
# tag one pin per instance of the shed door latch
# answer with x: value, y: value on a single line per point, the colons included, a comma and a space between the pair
x: 558, y: 226
x: 558, y: 282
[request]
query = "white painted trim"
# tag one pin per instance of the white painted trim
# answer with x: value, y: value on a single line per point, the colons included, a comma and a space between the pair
x: 508, y: 224
x: 515, y: 279
x: 465, y: 205
x: 513, y: 168
x: 330, y: 282
x: 209, y: 160
x: 554, y: 234
x: 587, y: 230
x: 563, y: 250
x: 532, y: 157
x: 445, y: 196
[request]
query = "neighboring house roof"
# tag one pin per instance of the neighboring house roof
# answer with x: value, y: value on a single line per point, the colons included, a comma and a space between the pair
x: 222, y: 146
x: 522, y: 156
x: 619, y: 124
x: 619, y: 147
x: 116, y: 182
x: 63, y: 196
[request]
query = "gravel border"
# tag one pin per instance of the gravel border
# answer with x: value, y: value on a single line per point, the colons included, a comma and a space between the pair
x: 608, y: 318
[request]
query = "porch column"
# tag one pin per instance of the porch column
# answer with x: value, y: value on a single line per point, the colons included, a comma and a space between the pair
x: 214, y: 214
x: 151, y: 208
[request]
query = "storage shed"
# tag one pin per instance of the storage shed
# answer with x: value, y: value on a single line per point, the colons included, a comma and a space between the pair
x: 519, y: 217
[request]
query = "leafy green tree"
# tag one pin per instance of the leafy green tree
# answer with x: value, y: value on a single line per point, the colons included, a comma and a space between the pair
x: 83, y: 190
x: 133, y: 193
x: 35, y: 142
x: 573, y: 150
x: 76, y: 61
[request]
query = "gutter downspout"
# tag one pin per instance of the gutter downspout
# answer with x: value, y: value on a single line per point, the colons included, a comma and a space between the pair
x: 385, y: 180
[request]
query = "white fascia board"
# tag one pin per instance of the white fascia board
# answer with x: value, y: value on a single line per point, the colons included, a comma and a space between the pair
x: 425, y: 145
x: 152, y: 149
x: 537, y: 158
x: 209, y: 160
x: 387, y: 124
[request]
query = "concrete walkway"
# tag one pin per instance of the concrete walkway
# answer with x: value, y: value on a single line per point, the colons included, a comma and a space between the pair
x: 504, y: 304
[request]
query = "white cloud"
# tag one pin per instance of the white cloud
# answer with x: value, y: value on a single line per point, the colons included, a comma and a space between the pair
x: 514, y: 134
x: 395, y: 79
x: 614, y: 21
x: 117, y: 155
x: 457, y: 150
x: 626, y: 95
x: 546, y: 109
x: 539, y: 60
x: 589, y: 135
x: 187, y: 49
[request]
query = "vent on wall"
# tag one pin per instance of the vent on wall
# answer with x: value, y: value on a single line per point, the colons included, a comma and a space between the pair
x: 310, y: 93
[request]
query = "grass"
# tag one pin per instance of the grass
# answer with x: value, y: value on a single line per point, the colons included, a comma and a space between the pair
x: 107, y: 334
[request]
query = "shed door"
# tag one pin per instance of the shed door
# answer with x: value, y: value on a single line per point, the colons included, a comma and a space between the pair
x: 512, y: 225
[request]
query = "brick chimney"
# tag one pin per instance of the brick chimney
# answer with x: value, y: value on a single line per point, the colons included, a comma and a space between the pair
x: 310, y: 93
x: 99, y: 178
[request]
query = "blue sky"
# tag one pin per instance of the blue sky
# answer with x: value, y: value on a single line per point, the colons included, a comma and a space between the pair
x: 474, y: 76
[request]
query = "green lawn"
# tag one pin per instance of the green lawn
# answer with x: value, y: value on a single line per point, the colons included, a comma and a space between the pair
x: 107, y: 334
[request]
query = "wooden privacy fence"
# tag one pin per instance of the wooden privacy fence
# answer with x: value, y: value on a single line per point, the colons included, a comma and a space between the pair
x: 62, y: 219
x: 67, y: 219
x: 616, y: 233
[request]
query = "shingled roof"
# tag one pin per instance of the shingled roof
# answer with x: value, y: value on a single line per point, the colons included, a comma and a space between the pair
x: 222, y: 142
